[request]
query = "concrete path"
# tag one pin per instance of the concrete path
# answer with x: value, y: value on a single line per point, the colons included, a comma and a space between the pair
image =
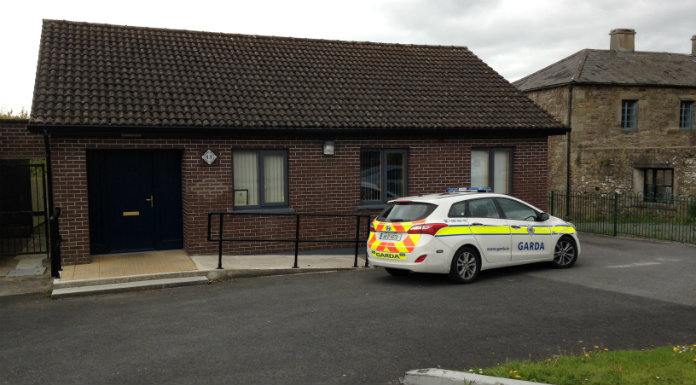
x: 24, y: 274
x: 158, y: 269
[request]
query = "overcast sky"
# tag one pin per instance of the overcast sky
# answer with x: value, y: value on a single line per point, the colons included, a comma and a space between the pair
x: 515, y: 37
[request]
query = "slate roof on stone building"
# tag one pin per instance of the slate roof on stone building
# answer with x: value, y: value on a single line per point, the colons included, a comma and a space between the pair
x: 593, y: 66
x: 100, y: 75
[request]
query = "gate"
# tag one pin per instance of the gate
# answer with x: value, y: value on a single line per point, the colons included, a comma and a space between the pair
x: 23, y: 208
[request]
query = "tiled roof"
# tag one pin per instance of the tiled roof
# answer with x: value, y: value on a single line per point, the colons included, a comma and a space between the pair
x: 591, y: 66
x: 114, y: 76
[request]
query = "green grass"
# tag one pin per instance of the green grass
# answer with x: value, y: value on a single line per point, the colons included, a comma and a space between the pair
x: 665, y: 365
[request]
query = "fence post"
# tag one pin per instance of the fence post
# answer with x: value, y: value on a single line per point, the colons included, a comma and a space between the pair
x: 552, y: 196
x: 357, y: 239
x: 616, y: 212
x: 220, y: 243
x: 367, y: 251
x: 56, y: 240
x: 297, y: 240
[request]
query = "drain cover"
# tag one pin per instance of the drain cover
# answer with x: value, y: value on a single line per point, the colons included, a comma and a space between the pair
x: 26, y: 272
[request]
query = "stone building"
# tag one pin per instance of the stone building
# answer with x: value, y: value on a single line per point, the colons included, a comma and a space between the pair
x: 151, y: 129
x: 632, y: 119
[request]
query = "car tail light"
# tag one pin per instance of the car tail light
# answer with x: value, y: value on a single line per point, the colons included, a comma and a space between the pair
x: 372, y: 227
x: 421, y: 258
x: 426, y: 228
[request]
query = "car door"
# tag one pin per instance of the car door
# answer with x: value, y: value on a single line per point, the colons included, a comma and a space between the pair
x: 530, y: 239
x: 490, y: 230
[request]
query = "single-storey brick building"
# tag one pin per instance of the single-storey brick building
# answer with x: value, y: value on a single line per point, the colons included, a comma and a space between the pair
x: 150, y: 129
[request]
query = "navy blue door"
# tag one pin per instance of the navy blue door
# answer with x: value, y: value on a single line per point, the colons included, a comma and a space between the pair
x: 134, y: 200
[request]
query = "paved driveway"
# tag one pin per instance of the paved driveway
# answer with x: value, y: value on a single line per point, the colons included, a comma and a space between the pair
x: 352, y: 327
x: 658, y: 270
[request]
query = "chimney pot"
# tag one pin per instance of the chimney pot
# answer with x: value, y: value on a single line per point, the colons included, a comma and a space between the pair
x: 622, y: 40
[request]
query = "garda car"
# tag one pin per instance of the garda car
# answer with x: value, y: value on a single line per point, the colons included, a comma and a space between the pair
x: 464, y: 231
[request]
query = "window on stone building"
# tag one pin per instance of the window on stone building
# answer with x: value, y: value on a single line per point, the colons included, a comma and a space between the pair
x: 492, y: 168
x: 658, y: 184
x: 686, y: 115
x: 628, y: 114
x: 382, y: 175
x: 260, y: 178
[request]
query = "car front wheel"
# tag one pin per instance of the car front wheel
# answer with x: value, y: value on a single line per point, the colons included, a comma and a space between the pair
x: 565, y: 254
x: 465, y: 266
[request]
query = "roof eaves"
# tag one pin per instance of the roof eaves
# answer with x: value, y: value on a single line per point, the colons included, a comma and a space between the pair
x: 74, y: 130
x: 609, y: 84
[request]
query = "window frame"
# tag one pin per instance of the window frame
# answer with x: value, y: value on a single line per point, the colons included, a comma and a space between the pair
x: 629, y: 122
x: 383, y: 152
x: 686, y: 115
x: 491, y: 165
x: 261, y: 180
x: 651, y: 196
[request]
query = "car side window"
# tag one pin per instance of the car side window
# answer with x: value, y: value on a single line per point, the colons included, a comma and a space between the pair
x: 482, y: 208
x: 517, y: 211
x: 458, y: 210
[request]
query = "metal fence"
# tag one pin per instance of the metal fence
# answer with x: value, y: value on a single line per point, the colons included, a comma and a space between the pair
x: 23, y: 213
x: 672, y: 219
x: 320, y: 237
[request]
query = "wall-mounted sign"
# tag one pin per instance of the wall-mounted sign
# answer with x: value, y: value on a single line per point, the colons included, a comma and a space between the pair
x: 209, y: 157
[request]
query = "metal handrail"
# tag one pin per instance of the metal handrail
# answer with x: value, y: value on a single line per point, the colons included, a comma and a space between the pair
x: 297, y: 240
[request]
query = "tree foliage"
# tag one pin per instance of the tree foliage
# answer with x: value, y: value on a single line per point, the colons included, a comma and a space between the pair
x: 9, y: 114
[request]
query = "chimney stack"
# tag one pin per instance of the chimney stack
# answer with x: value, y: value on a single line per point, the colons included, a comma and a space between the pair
x: 693, y: 45
x: 622, y: 40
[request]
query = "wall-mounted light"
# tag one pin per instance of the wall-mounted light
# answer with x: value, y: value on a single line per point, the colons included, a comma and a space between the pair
x: 329, y: 147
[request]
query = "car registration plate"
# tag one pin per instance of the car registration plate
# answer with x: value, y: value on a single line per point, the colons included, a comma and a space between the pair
x: 389, y: 236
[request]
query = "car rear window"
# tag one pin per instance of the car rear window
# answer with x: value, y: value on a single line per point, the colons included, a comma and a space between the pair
x: 406, y: 212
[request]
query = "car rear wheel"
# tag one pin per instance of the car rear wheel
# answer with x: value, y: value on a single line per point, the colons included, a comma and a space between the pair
x: 465, y: 266
x: 397, y: 272
x: 565, y: 254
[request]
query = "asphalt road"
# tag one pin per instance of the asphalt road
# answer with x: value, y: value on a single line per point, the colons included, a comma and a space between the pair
x: 361, y: 327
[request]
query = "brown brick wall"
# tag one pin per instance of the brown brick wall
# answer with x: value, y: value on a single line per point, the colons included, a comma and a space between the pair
x: 317, y: 183
x: 16, y: 142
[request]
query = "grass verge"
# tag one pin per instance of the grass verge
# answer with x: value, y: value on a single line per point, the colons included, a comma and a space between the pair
x: 664, y: 365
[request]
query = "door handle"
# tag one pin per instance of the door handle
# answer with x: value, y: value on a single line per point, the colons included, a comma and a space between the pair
x: 515, y: 226
x: 477, y: 224
x: 151, y: 199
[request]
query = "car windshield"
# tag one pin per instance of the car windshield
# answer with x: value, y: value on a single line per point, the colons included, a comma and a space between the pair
x: 406, y: 212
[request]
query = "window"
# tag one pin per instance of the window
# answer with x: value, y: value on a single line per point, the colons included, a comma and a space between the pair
x: 686, y: 115
x: 658, y: 184
x: 382, y: 175
x: 492, y: 168
x: 260, y: 178
x: 406, y: 212
x: 628, y: 114
x: 482, y: 208
x: 517, y: 211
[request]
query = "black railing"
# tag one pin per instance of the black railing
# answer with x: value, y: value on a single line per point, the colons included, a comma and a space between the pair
x: 296, y: 240
x: 23, y: 212
x: 672, y: 219
x: 56, y: 240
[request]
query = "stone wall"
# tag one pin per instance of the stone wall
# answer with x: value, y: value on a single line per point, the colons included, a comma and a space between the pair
x: 605, y: 157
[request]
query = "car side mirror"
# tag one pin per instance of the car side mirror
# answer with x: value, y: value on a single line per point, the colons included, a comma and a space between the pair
x: 542, y: 217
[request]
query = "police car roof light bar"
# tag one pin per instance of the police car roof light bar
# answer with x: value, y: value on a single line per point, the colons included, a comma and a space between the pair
x: 468, y: 189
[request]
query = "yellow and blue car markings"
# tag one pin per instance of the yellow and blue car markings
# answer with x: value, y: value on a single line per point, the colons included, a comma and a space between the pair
x: 455, y: 230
